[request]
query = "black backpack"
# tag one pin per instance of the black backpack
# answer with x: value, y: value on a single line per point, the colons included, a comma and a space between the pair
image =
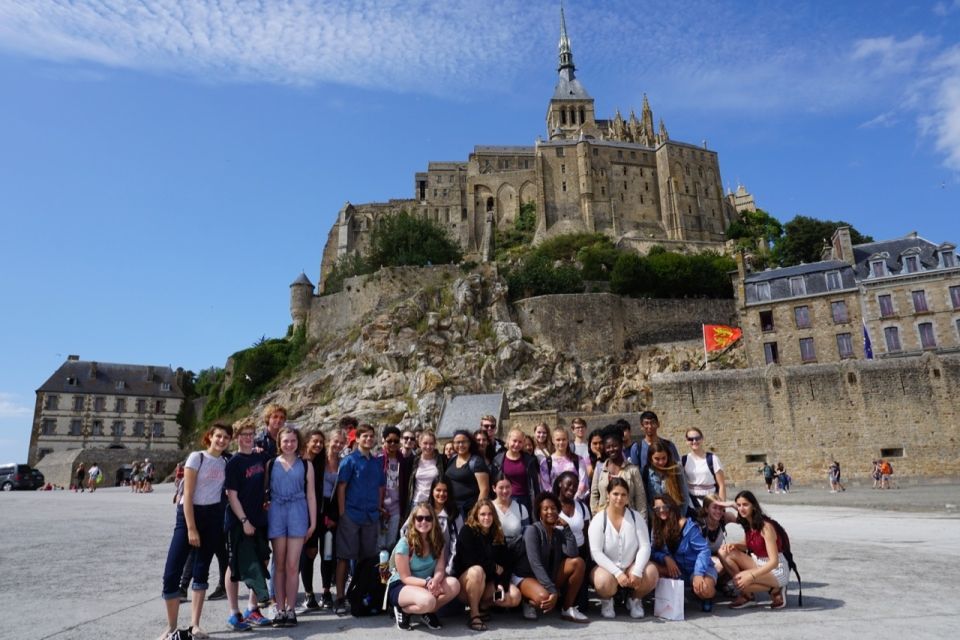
x: 788, y: 554
x: 365, y: 593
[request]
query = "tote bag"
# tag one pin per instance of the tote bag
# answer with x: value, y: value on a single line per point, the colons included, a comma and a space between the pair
x: 668, y: 603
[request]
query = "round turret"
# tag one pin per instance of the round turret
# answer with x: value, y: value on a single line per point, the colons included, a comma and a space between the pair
x: 301, y: 295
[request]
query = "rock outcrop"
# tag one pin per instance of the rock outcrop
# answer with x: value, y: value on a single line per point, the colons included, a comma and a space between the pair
x: 397, y: 363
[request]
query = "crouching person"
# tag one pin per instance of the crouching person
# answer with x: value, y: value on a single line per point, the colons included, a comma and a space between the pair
x: 418, y: 584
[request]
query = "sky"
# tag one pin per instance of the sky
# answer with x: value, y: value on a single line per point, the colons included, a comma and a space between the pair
x: 169, y: 167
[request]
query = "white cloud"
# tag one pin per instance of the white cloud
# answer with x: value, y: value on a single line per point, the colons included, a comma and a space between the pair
x: 940, y: 116
x: 882, y: 121
x: 946, y: 7
x: 10, y: 408
x: 419, y: 45
x: 889, y: 54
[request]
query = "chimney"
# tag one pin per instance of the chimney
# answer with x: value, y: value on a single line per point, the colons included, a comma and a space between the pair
x: 149, y: 374
x: 73, y: 358
x: 93, y: 370
x: 739, y: 280
x: 842, y: 246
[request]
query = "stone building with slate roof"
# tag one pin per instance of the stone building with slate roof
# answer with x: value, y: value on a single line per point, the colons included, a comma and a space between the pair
x: 903, y: 293
x: 622, y: 177
x: 100, y: 405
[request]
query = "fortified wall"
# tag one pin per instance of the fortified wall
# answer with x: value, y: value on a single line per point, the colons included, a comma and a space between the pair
x: 361, y: 295
x: 590, y: 325
x: 904, y: 410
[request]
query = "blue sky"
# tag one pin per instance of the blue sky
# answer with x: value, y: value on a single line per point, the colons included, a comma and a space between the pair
x: 168, y: 167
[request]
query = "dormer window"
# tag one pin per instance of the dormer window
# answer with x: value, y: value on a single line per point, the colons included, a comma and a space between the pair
x: 797, y: 286
x: 948, y: 259
x: 834, y: 281
x: 911, y: 264
x: 164, y: 386
x: 120, y: 385
x: 763, y: 291
x: 877, y: 269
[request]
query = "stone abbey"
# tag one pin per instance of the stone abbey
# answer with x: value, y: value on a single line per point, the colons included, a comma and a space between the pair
x: 621, y: 177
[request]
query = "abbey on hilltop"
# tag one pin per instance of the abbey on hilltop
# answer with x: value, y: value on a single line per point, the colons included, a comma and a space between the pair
x: 622, y: 177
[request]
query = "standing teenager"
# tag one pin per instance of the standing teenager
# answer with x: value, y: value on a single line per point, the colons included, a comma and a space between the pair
x: 199, y: 525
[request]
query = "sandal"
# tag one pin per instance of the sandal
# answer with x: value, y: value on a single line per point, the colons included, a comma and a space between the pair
x: 743, y: 600
x: 477, y: 624
x: 778, y: 599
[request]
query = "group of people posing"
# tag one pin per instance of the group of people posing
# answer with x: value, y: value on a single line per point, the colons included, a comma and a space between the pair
x: 486, y: 524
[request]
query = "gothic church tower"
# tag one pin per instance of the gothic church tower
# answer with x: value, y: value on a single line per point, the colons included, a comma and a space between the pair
x: 571, y: 110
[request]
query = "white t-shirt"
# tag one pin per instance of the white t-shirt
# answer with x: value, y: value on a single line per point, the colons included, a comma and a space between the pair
x: 423, y: 477
x: 577, y: 521
x: 210, y: 477
x: 699, y: 479
x: 511, y: 519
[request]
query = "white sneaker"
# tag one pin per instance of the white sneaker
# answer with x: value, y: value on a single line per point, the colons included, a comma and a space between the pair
x: 529, y: 612
x: 606, y: 608
x: 635, y: 605
x: 573, y: 615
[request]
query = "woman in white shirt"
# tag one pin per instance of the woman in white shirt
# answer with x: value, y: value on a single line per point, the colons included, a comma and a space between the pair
x: 513, y: 516
x: 702, y: 469
x: 620, y: 545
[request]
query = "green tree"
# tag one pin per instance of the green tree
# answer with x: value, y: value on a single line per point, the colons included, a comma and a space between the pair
x: 537, y: 275
x: 404, y: 239
x: 803, y: 239
x: 598, y: 259
x: 508, y: 241
x: 631, y: 275
x: 755, y: 229
x: 345, y: 267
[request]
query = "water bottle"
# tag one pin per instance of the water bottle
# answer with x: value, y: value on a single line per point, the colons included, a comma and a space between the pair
x: 328, y: 545
x: 384, y: 566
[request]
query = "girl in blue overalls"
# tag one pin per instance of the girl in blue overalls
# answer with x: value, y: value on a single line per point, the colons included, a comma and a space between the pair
x: 291, y: 518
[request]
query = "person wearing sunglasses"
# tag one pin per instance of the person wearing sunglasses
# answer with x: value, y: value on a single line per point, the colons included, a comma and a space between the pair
x: 408, y: 444
x: 702, y: 469
x: 418, y: 584
x: 396, y: 470
x: 680, y: 551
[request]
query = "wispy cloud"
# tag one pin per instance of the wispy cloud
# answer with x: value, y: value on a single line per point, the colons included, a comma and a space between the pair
x: 418, y: 45
x: 940, y: 113
x: 10, y: 408
x: 946, y: 7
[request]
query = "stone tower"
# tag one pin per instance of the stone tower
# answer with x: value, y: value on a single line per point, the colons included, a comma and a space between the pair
x: 301, y: 294
x: 571, y: 110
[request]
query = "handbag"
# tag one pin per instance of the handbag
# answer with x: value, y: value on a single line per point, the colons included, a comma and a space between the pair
x: 668, y: 603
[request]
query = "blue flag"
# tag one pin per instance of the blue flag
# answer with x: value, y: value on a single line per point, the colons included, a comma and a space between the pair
x: 867, y: 346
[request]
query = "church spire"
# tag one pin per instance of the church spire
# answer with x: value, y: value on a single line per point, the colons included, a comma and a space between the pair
x: 566, y: 54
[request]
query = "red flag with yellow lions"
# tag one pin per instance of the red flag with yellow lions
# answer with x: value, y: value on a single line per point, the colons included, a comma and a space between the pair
x: 717, y: 337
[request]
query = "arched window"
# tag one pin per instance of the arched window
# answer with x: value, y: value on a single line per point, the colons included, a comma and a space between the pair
x: 489, y: 204
x: 582, y: 116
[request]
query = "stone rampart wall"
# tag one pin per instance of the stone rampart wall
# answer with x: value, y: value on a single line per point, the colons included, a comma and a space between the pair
x: 591, y: 325
x: 344, y: 310
x: 904, y: 410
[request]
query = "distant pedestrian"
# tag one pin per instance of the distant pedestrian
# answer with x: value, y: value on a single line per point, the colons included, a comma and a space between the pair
x: 833, y: 475
x: 81, y: 478
x: 148, y: 471
x: 93, y: 477
x: 767, y: 472
x: 783, y: 479
x: 875, y: 474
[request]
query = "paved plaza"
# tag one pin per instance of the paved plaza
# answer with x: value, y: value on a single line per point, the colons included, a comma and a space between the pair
x: 82, y: 566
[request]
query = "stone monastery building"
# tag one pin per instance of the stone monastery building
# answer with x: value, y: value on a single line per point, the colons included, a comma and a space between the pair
x: 623, y: 178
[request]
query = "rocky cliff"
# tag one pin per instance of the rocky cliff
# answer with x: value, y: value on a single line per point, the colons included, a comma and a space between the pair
x: 460, y: 336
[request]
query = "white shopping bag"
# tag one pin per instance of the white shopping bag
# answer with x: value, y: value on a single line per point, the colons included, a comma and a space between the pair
x: 668, y: 602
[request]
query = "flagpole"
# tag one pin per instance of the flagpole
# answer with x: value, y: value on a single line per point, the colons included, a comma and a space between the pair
x: 706, y: 356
